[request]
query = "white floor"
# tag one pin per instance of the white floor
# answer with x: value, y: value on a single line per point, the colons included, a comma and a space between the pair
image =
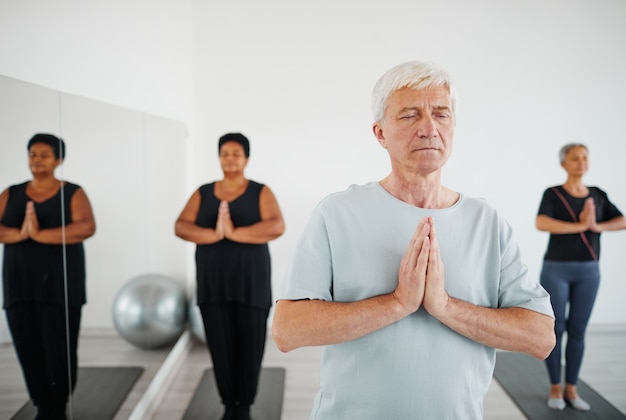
x: 604, y: 369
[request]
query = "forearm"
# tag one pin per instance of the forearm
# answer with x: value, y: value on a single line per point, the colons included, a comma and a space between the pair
x: 314, y: 322
x: 73, y: 233
x: 11, y: 235
x: 514, y: 329
x: 617, y: 223
x: 559, y: 227
x: 196, y: 234
x: 258, y: 233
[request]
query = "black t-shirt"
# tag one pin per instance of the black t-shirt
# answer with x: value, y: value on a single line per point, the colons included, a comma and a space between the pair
x: 571, y: 247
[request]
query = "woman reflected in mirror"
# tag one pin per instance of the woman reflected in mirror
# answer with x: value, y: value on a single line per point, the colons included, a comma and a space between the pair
x: 43, y: 223
x: 231, y: 221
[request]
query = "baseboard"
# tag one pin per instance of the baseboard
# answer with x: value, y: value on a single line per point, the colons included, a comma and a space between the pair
x: 607, y: 328
x: 152, y: 397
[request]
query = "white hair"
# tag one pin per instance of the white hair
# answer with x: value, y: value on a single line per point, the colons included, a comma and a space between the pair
x: 414, y: 75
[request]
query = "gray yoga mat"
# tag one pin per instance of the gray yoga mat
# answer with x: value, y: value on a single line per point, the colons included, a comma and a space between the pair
x: 525, y: 380
x: 99, y: 393
x: 206, y: 403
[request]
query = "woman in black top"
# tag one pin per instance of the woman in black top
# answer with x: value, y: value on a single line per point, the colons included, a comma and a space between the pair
x: 231, y: 221
x: 43, y: 223
x: 575, y: 215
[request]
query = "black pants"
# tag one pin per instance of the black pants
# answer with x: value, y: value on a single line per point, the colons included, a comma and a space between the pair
x: 40, y: 340
x: 235, y: 336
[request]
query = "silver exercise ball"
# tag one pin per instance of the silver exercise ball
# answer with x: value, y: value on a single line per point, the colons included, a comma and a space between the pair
x: 150, y: 311
x: 196, y: 325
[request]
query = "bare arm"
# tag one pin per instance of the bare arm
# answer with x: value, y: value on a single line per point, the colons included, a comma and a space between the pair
x: 515, y: 329
x: 9, y: 235
x: 299, y: 323
x: 187, y: 229
x: 617, y: 223
x: 314, y: 322
x: 270, y: 227
x: 558, y: 227
x: 83, y: 223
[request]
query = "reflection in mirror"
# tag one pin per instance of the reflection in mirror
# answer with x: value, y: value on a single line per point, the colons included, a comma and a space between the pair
x: 124, y: 160
x: 43, y: 223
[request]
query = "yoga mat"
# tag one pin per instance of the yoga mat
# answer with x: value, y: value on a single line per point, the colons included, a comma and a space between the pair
x: 99, y: 393
x: 525, y: 379
x: 206, y: 403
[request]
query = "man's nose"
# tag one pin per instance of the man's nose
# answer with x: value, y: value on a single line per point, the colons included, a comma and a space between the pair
x: 426, y: 127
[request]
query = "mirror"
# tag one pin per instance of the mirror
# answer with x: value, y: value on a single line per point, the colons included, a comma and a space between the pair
x: 131, y: 166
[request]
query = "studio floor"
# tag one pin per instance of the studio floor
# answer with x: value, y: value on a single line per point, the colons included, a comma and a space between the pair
x: 604, y: 370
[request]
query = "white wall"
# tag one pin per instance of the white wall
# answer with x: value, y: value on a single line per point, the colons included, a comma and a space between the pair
x: 296, y: 78
x: 136, y: 53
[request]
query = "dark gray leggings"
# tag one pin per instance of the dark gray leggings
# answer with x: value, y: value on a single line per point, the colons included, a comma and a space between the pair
x: 576, y: 283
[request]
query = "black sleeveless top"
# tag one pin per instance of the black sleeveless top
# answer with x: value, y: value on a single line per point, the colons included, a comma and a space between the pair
x: 230, y: 271
x: 34, y: 272
x: 570, y: 247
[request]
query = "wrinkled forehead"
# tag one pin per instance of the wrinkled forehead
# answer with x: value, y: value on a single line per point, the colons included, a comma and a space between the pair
x: 429, y: 97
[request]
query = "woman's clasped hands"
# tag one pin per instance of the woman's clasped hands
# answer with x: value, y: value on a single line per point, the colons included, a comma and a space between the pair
x: 587, y: 216
x: 30, y: 227
x: 224, y: 226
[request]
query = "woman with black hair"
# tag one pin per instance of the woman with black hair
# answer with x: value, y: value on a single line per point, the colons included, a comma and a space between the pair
x: 43, y: 223
x: 231, y: 221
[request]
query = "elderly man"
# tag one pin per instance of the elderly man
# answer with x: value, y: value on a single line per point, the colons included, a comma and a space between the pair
x: 411, y: 316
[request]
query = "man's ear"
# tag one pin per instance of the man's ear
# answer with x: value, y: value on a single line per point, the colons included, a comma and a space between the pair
x: 377, y: 128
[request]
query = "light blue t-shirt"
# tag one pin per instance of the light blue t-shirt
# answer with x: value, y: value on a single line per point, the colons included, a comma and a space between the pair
x: 416, y: 368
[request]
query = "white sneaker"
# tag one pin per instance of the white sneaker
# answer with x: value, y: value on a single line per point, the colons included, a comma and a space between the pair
x: 556, y: 403
x: 579, y: 404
